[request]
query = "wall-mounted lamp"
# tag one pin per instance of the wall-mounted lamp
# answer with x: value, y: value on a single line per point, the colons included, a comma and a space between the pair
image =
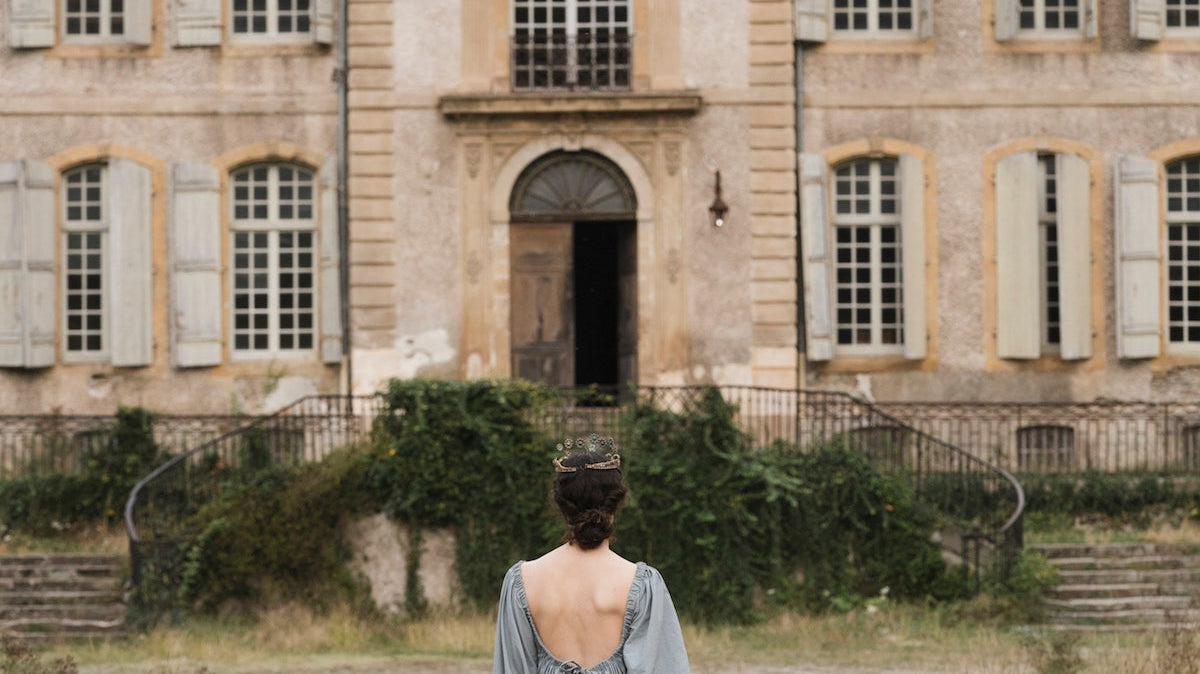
x: 718, y: 209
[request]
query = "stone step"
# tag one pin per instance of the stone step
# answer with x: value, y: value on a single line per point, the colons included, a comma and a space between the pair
x: 1178, y: 577
x: 75, y: 636
x: 1125, y: 616
x: 60, y: 625
x: 1139, y: 562
x: 1052, y: 551
x: 111, y: 611
x: 1111, y: 604
x: 1103, y: 590
x: 60, y: 597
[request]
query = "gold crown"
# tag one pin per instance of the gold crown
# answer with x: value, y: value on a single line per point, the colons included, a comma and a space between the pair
x: 593, y: 443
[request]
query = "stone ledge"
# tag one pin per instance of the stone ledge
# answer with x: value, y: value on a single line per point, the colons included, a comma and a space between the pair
x: 467, y: 106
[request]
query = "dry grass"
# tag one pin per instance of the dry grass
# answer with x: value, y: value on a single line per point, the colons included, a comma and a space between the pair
x: 891, y: 638
x: 91, y: 538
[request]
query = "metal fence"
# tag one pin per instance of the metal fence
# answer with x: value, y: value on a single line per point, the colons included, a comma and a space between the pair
x: 1067, y: 437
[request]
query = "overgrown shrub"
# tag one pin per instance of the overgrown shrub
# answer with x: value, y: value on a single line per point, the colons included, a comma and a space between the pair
x: 1116, y: 496
x: 45, y: 504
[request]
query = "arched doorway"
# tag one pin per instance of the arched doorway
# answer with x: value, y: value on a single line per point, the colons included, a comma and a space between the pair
x: 573, y: 265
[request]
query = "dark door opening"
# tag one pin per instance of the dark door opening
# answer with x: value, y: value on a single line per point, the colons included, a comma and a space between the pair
x: 605, y: 292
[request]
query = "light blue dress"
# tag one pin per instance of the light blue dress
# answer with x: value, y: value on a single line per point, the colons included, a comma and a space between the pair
x: 651, y: 642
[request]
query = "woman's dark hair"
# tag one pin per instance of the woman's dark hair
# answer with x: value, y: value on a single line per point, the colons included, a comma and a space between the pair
x: 588, y: 499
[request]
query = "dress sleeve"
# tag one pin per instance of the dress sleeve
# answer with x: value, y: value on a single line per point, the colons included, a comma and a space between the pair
x: 655, y: 643
x: 516, y: 648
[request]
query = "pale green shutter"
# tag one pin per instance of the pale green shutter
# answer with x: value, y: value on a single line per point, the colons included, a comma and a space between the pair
x: 1146, y: 19
x: 322, y: 21
x: 1074, y: 256
x: 30, y: 23
x: 131, y: 286
x: 811, y: 20
x: 139, y: 22
x: 197, y: 22
x: 195, y: 311
x: 814, y: 233
x: 12, y: 267
x: 331, y: 285
x: 912, y: 240
x: 1090, y: 19
x: 1005, y: 20
x: 925, y: 19
x: 1018, y: 279
x: 1138, y: 258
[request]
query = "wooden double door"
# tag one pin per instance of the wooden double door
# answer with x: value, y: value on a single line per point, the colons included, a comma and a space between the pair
x: 574, y: 302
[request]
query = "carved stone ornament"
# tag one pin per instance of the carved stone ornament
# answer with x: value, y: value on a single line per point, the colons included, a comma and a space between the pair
x: 672, y: 153
x: 474, y: 156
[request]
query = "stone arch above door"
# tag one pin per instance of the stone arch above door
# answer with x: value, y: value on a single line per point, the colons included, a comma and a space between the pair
x: 572, y: 186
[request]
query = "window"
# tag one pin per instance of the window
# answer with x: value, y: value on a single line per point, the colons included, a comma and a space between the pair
x: 1048, y: 250
x: 272, y: 18
x: 274, y: 260
x: 1190, y: 447
x: 1043, y: 256
x: 892, y: 17
x: 45, y: 23
x: 571, y: 44
x: 1045, y: 448
x: 864, y: 262
x: 1044, y: 19
x: 85, y: 238
x: 94, y: 18
x: 1182, y: 14
x: 869, y: 305
x: 1183, y: 252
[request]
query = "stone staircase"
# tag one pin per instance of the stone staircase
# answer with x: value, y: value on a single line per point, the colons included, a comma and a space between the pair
x: 67, y: 596
x: 1124, y: 586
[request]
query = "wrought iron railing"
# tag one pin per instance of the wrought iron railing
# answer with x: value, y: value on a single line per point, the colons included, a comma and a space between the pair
x: 582, y: 63
x: 979, y: 504
x: 46, y: 444
x: 1106, y: 436
x: 159, y: 504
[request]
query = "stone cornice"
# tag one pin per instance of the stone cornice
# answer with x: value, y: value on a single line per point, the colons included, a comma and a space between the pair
x: 486, y: 105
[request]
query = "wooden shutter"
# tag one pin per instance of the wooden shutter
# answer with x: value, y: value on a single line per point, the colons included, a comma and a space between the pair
x: 331, y: 274
x: 322, y: 21
x: 1146, y: 19
x: 912, y: 241
x: 30, y: 23
x: 1074, y: 256
x: 1018, y: 279
x: 811, y: 20
x: 814, y: 233
x: 139, y: 22
x: 197, y: 22
x: 1138, y: 258
x: 1005, y: 20
x: 1090, y: 19
x: 924, y: 19
x: 27, y: 278
x: 12, y: 267
x: 195, y: 311
x: 131, y: 286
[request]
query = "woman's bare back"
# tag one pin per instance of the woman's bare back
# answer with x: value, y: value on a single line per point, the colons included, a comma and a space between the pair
x: 577, y: 600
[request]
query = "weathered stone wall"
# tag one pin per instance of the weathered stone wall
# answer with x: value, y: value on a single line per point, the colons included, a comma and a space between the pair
x: 961, y: 96
x: 158, y: 105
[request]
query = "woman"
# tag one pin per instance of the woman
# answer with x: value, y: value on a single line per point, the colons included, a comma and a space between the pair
x: 581, y: 608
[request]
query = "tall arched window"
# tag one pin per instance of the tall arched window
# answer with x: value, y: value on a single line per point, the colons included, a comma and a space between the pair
x: 85, y: 237
x: 274, y: 260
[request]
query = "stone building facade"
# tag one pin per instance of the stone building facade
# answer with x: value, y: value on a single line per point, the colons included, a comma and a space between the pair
x: 167, y: 183
x: 1056, y: 142
x: 925, y: 201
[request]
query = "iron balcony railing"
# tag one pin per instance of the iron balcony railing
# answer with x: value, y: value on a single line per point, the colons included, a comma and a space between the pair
x: 599, y: 61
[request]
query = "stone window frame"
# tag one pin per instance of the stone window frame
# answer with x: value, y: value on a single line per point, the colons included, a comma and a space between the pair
x: 272, y: 227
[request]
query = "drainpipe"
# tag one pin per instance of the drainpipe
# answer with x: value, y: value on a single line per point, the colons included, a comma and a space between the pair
x: 801, y: 328
x: 343, y: 178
